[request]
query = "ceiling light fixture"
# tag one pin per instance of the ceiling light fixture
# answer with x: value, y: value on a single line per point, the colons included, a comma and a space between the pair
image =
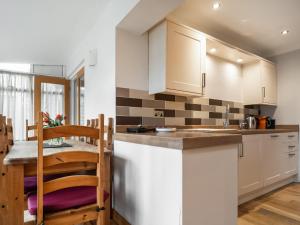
x: 213, y: 50
x: 216, y: 5
x: 285, y: 32
x: 239, y: 60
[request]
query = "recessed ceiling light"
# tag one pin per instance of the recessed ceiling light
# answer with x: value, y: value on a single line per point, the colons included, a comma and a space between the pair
x: 285, y: 32
x: 239, y: 60
x: 216, y: 5
x: 213, y: 50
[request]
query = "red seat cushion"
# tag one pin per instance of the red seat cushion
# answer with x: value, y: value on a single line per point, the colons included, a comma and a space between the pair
x: 68, y: 198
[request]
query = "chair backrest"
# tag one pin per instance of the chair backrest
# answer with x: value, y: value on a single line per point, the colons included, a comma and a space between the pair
x: 71, y: 157
x: 28, y: 129
x: 10, y: 133
x: 107, y: 129
x: 88, y: 124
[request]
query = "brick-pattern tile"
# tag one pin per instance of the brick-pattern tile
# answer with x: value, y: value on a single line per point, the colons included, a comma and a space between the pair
x: 129, y: 102
x: 192, y: 121
x: 134, y: 107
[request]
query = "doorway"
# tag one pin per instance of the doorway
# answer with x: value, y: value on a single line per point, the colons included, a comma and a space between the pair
x: 52, y: 95
x: 79, y: 92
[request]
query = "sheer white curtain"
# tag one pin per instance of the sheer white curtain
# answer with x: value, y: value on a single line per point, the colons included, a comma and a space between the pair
x: 16, y: 100
x: 52, y: 99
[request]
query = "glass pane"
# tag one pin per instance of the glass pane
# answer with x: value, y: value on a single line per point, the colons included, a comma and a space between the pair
x: 52, y: 99
x: 81, y: 100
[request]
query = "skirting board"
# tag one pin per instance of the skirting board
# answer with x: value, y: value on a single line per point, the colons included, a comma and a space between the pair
x: 119, y: 219
x: 265, y: 190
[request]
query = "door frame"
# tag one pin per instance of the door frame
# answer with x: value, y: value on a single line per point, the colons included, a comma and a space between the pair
x: 38, y: 80
x: 78, y: 75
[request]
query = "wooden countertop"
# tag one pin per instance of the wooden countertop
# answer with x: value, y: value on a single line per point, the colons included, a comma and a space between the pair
x: 25, y: 152
x: 180, y: 140
x: 247, y: 131
x: 197, y: 138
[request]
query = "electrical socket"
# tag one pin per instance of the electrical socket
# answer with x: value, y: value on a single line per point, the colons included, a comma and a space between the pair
x: 158, y: 113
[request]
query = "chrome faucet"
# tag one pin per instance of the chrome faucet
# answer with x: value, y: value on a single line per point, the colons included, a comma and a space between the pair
x: 226, y: 122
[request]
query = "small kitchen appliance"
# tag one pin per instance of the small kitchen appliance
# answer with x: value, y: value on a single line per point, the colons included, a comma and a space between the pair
x: 251, y: 121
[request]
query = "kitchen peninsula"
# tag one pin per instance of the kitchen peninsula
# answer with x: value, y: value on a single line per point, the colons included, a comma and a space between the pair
x: 177, y: 178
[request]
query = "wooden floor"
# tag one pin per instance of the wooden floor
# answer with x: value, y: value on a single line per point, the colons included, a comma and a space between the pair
x: 281, y: 207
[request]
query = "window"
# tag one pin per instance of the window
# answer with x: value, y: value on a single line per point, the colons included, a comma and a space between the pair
x: 16, y: 100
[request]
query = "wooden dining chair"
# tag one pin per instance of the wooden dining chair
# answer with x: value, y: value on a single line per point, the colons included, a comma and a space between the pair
x: 71, y: 199
x: 28, y: 129
x: 88, y: 124
x: 109, y: 146
x: 10, y: 133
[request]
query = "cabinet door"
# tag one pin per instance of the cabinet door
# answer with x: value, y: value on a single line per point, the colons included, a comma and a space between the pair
x: 269, y: 82
x: 272, y: 148
x: 185, y: 54
x: 289, y: 164
x: 250, y: 164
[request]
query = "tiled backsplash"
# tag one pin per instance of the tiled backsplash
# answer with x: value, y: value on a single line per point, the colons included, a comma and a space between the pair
x: 136, y: 107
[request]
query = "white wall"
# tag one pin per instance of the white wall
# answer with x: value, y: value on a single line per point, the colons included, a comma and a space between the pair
x: 100, y: 79
x: 223, y: 80
x: 132, y: 60
x: 288, y: 72
x: 288, y: 90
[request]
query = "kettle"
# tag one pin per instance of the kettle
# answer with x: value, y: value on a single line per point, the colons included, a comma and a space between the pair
x: 251, y: 120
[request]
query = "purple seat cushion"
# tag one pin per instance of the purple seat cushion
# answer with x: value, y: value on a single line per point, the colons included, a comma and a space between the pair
x: 68, y: 198
x: 30, y: 183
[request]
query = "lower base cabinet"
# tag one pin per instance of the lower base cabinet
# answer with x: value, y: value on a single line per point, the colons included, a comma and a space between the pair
x: 265, y: 159
x: 250, y: 164
x: 272, y: 150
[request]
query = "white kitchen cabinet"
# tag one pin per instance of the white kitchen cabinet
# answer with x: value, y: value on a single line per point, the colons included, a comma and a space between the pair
x: 290, y: 154
x: 265, y: 159
x: 176, y: 59
x: 250, y: 164
x: 260, y: 83
x: 272, y: 149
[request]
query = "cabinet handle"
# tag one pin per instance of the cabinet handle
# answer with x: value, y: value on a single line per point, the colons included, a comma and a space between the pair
x: 203, y: 80
x: 241, y: 150
x: 292, y: 154
x: 274, y: 136
x: 292, y: 146
x: 264, y: 92
x: 291, y: 136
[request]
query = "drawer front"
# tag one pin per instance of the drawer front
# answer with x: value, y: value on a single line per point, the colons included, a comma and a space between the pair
x: 273, y: 137
x: 292, y: 136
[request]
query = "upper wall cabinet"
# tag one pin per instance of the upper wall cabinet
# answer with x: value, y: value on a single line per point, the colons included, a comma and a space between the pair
x: 260, y: 83
x: 176, y: 60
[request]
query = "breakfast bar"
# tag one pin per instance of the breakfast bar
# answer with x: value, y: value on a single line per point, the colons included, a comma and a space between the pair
x: 177, y: 178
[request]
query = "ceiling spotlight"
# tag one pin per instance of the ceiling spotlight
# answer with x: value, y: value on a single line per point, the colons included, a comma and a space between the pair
x: 239, y: 60
x: 216, y: 5
x: 213, y: 50
x: 285, y: 32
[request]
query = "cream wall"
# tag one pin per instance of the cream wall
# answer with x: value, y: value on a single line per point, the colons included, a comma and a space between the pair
x: 132, y: 60
x: 224, y: 80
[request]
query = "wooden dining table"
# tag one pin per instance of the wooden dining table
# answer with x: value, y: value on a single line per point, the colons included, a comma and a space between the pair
x: 21, y: 161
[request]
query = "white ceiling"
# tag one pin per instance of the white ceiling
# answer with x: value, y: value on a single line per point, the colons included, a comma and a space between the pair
x: 44, y: 31
x: 254, y: 25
